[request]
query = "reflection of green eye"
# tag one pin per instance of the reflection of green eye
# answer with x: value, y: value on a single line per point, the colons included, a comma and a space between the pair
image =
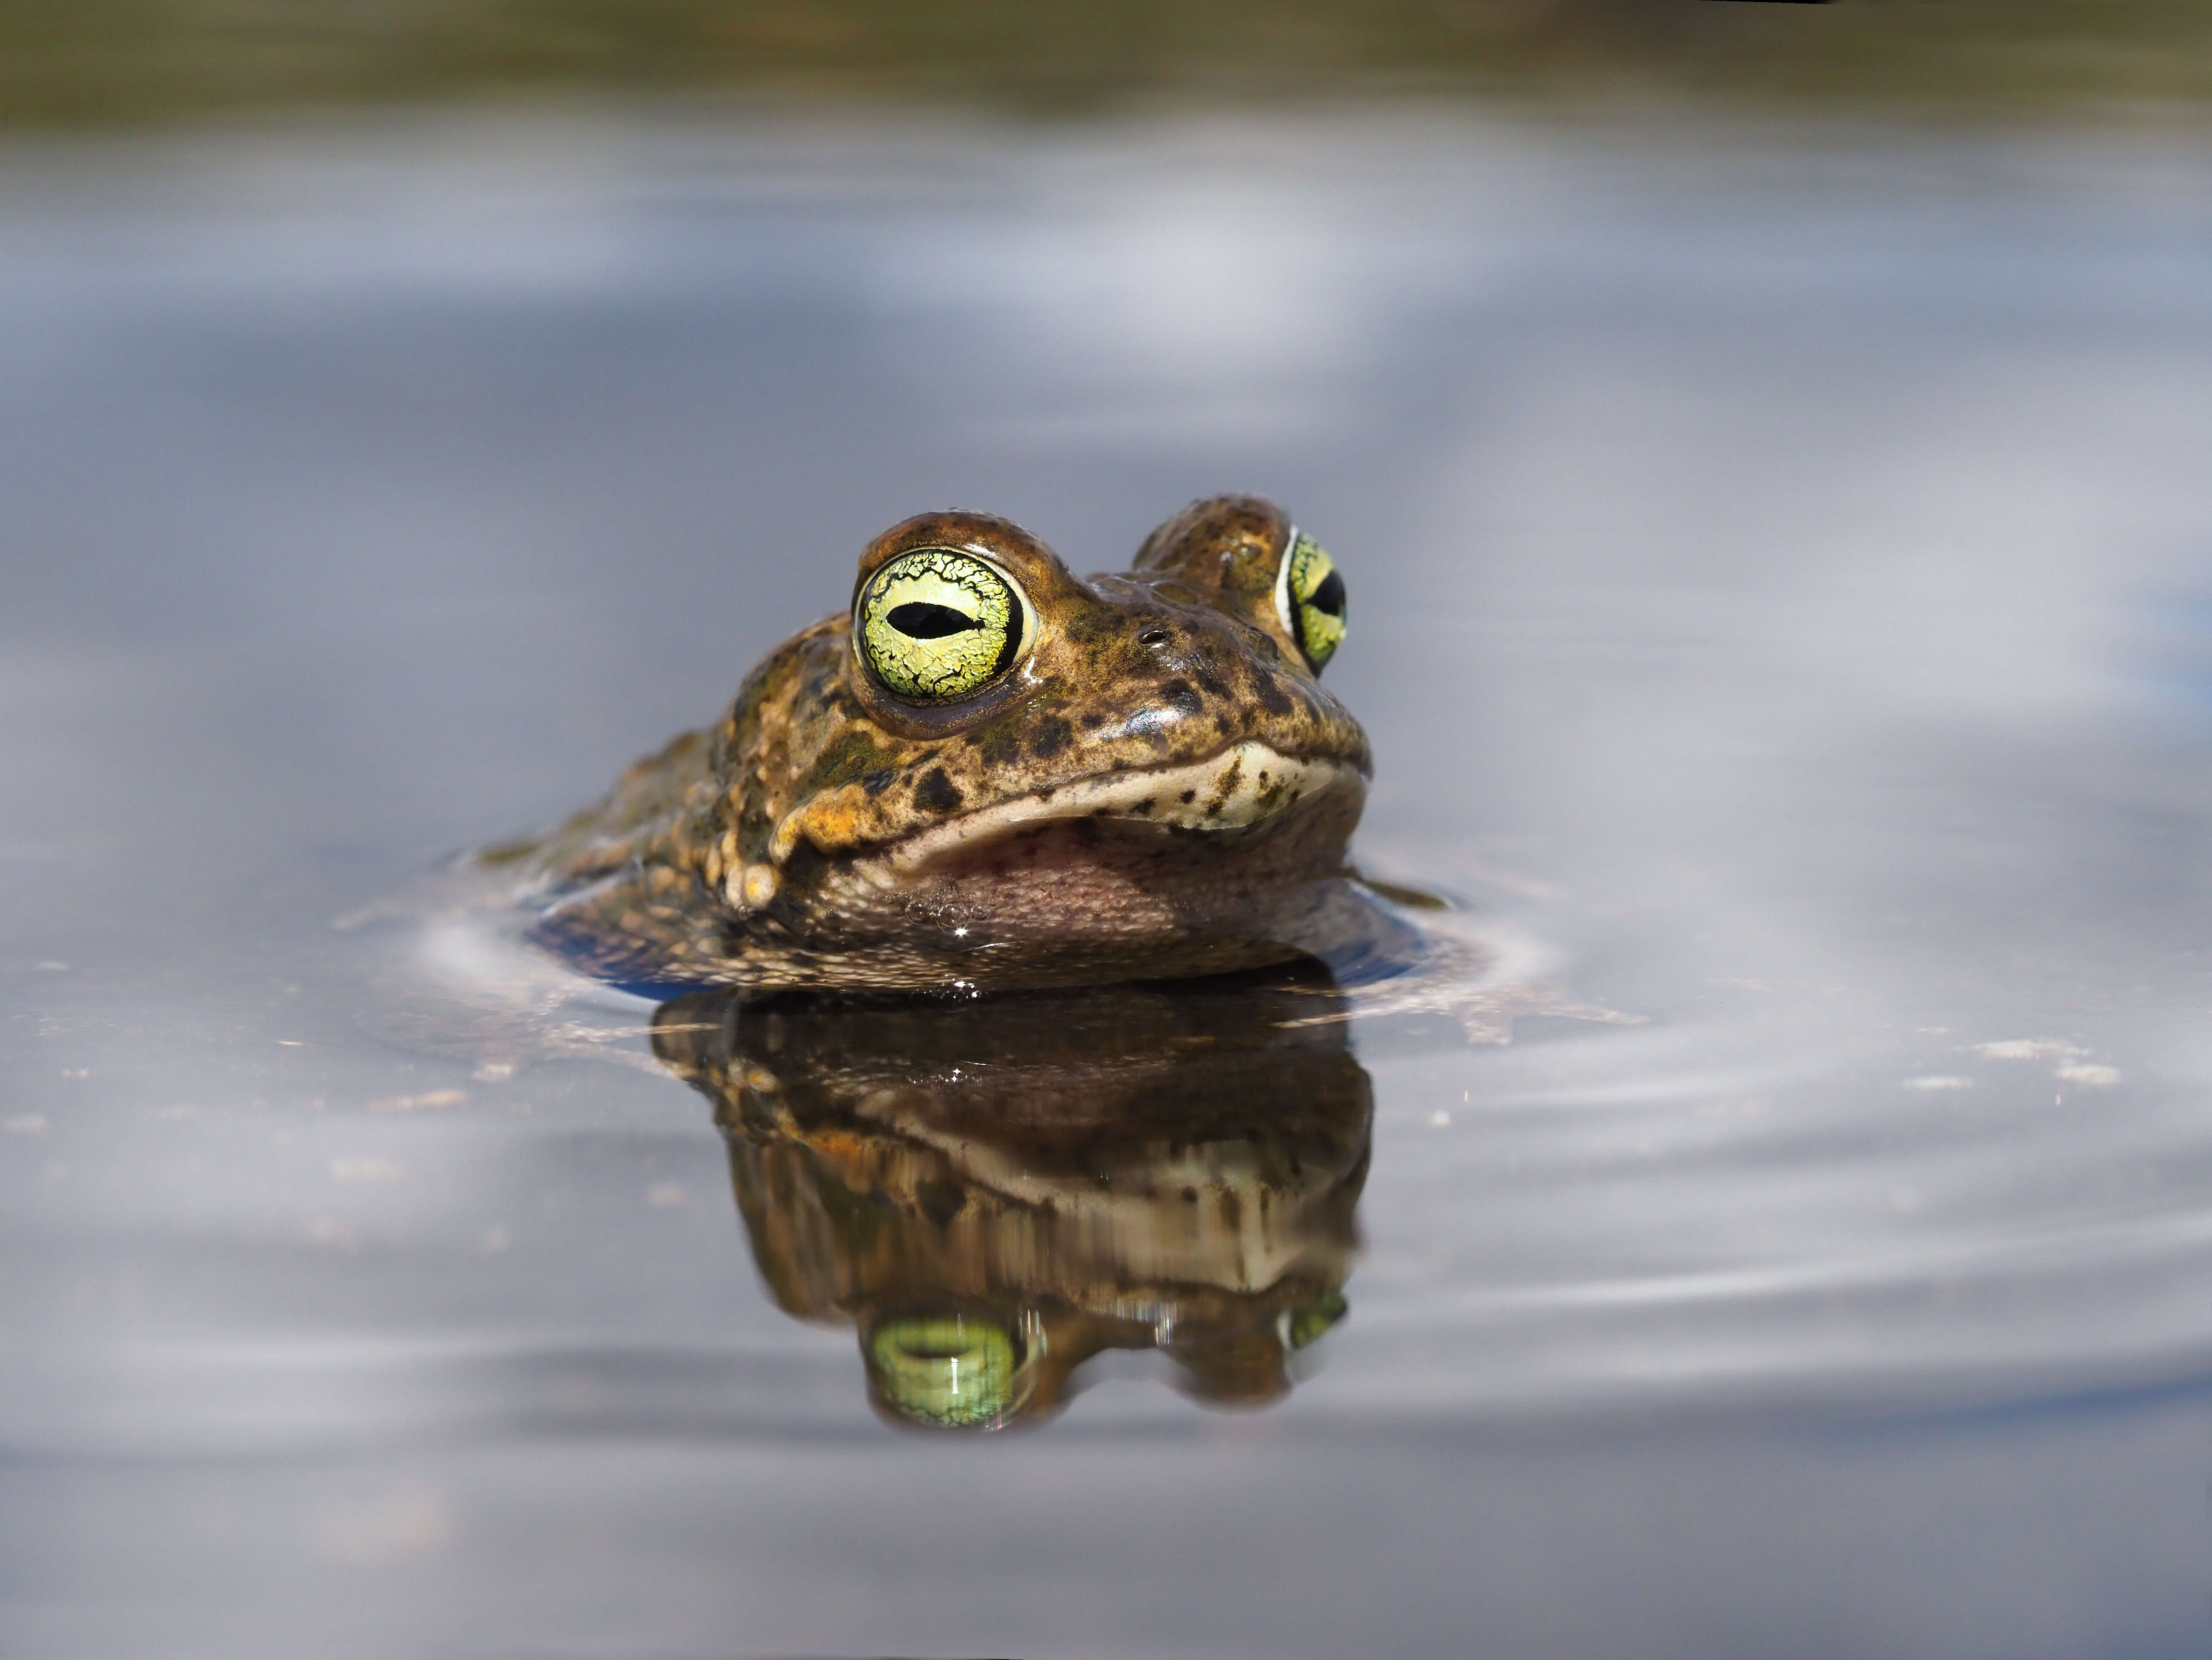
x: 947, y: 1369
x: 1306, y: 1325
x: 936, y: 625
x: 1309, y: 594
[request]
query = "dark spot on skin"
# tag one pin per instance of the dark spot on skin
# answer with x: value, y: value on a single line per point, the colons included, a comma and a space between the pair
x: 1092, y: 718
x: 1222, y: 723
x: 1145, y: 806
x: 1188, y: 796
x: 937, y: 793
x: 756, y: 692
x: 1211, y: 687
x: 999, y: 744
x: 877, y: 782
x: 852, y: 758
x: 940, y: 1202
x: 1053, y: 735
x: 1273, y: 697
x: 1178, y: 695
x: 1089, y: 623
x: 754, y: 826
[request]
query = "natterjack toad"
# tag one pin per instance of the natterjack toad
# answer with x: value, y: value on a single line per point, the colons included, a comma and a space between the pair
x: 988, y: 773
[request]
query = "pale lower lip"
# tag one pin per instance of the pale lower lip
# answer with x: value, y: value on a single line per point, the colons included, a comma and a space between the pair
x: 1240, y: 787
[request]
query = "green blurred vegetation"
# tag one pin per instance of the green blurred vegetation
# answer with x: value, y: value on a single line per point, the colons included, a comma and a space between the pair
x: 67, y: 61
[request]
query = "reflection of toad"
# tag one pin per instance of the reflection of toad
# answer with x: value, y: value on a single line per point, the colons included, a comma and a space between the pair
x: 994, y: 1192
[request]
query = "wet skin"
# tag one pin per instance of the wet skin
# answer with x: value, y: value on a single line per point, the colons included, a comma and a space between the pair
x: 989, y: 773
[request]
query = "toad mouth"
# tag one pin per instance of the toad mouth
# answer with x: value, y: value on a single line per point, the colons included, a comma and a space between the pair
x: 1244, y: 785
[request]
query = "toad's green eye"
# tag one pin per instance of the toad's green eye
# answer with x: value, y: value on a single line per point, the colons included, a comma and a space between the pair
x: 937, y: 624
x: 1307, y: 1325
x: 946, y: 1369
x: 1310, y: 598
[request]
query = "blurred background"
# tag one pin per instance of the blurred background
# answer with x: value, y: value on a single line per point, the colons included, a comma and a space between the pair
x: 1765, y: 444
x: 133, y: 61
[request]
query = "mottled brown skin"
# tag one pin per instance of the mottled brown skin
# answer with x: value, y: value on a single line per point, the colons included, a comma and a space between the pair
x: 1125, y: 1167
x: 785, y: 846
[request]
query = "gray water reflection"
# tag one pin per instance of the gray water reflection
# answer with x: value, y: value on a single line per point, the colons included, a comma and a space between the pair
x: 1780, y: 576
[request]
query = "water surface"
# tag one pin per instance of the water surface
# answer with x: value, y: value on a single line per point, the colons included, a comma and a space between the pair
x: 1778, y: 604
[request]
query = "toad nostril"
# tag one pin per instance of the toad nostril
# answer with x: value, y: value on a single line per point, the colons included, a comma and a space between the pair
x: 1153, y: 637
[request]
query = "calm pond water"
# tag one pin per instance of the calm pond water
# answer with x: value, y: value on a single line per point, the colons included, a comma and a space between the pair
x: 1782, y: 605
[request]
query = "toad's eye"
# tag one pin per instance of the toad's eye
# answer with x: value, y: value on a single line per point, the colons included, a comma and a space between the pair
x: 950, y: 1370
x: 1309, y: 598
x: 1304, y: 1327
x: 936, y: 625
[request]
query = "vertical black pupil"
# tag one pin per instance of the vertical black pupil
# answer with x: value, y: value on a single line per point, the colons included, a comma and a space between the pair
x: 1328, y: 597
x: 918, y: 621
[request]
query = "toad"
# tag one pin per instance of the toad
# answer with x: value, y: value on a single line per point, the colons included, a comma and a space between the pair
x: 989, y: 773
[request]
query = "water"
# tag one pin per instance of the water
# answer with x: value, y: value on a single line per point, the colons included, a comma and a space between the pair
x: 1778, y: 565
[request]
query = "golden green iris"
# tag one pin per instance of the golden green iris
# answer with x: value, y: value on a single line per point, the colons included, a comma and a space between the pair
x: 937, y: 624
x: 946, y: 1369
x: 1313, y: 595
x: 1308, y: 1324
